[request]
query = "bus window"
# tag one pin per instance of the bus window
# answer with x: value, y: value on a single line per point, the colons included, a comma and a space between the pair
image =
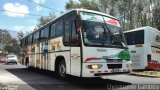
x: 66, y: 33
x: 136, y: 37
x: 30, y: 39
x: 59, y: 27
x: 53, y: 31
x: 44, y: 33
x: 23, y: 42
x: 36, y: 37
x: 47, y: 32
x: 74, y: 35
x: 26, y: 41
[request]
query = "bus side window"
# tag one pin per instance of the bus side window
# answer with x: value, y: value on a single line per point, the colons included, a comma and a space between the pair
x: 59, y: 27
x: 53, y: 30
x: 74, y: 35
x: 67, y: 33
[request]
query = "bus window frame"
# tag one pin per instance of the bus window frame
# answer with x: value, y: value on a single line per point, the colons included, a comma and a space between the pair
x: 46, y: 35
x: 77, y: 35
x: 35, y: 39
x: 52, y: 28
x: 72, y: 16
x: 132, y: 34
x: 109, y: 46
x: 59, y: 23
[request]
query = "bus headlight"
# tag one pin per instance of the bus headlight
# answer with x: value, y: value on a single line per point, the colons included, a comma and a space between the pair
x: 94, y: 66
x: 128, y: 65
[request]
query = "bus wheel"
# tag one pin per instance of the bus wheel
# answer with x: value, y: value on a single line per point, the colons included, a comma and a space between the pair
x: 62, y: 70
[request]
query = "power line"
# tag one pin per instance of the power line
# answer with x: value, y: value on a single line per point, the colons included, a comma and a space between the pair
x: 20, y: 13
x: 44, y: 6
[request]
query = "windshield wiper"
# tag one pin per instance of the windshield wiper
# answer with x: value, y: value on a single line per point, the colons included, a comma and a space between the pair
x: 116, y: 39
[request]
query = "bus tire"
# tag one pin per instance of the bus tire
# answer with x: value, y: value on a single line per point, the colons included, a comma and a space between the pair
x: 62, y: 70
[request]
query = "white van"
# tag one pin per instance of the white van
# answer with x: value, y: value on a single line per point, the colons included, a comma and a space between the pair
x: 11, y: 59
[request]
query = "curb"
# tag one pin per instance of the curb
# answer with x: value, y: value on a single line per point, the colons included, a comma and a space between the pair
x: 135, y: 74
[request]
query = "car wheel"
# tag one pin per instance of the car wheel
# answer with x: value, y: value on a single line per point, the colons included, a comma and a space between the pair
x: 62, y: 70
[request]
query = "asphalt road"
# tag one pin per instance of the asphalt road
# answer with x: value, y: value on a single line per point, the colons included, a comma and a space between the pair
x: 17, y: 77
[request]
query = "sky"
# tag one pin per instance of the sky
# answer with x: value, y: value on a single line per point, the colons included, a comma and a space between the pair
x: 22, y: 15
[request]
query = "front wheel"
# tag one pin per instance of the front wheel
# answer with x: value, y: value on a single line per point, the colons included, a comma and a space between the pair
x: 62, y: 70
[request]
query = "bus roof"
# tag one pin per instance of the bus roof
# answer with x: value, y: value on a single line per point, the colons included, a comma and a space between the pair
x: 141, y: 28
x: 81, y: 9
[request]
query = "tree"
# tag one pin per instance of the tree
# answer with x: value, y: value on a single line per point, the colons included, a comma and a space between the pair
x: 131, y: 13
x: 12, y: 47
x: 20, y: 35
x: 5, y: 37
x: 87, y: 4
x: 72, y: 4
x: 43, y: 20
x: 9, y: 44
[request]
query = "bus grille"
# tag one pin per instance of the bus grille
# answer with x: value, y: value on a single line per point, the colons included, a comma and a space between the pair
x: 111, y: 66
x: 114, y: 60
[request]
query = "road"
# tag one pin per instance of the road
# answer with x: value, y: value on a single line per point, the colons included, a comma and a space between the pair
x: 17, y: 77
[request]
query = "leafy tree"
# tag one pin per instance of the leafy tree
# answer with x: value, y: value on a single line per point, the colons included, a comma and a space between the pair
x: 87, y: 4
x: 43, y: 20
x: 9, y: 44
x: 20, y: 35
x: 12, y: 47
x: 9, y: 48
x: 131, y: 13
x: 5, y: 37
x: 72, y: 4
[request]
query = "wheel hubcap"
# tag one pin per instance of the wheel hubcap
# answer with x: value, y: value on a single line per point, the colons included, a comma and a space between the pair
x: 62, y: 70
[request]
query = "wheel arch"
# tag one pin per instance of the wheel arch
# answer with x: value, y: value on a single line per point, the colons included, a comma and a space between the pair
x: 57, y: 61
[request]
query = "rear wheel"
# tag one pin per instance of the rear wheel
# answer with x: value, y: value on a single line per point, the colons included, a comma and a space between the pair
x: 62, y: 70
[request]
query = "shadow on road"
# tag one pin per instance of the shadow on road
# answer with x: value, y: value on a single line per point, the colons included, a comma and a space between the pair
x: 46, y: 80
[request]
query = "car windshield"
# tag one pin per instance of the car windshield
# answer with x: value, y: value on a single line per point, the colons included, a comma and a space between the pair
x: 11, y: 56
x: 101, y: 31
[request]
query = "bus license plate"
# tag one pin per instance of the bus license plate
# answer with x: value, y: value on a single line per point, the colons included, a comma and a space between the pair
x: 116, y: 70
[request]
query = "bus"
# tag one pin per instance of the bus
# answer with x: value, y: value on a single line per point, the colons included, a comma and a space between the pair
x: 81, y: 43
x: 144, y: 47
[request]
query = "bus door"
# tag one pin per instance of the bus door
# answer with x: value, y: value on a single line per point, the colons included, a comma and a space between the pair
x: 71, y: 39
x: 75, y: 50
x: 44, y: 34
x: 37, y: 55
x: 45, y: 55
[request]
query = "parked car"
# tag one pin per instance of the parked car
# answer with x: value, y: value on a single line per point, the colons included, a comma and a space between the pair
x: 2, y: 59
x: 11, y: 59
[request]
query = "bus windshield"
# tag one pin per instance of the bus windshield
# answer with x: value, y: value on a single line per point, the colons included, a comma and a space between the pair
x: 100, y: 30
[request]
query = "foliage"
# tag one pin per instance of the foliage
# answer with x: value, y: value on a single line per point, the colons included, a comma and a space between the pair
x: 5, y: 37
x: 43, y: 20
x: 88, y: 4
x: 131, y: 13
x: 20, y: 35
x: 9, y: 44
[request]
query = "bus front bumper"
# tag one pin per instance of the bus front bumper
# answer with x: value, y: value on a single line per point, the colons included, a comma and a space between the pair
x: 104, y: 70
